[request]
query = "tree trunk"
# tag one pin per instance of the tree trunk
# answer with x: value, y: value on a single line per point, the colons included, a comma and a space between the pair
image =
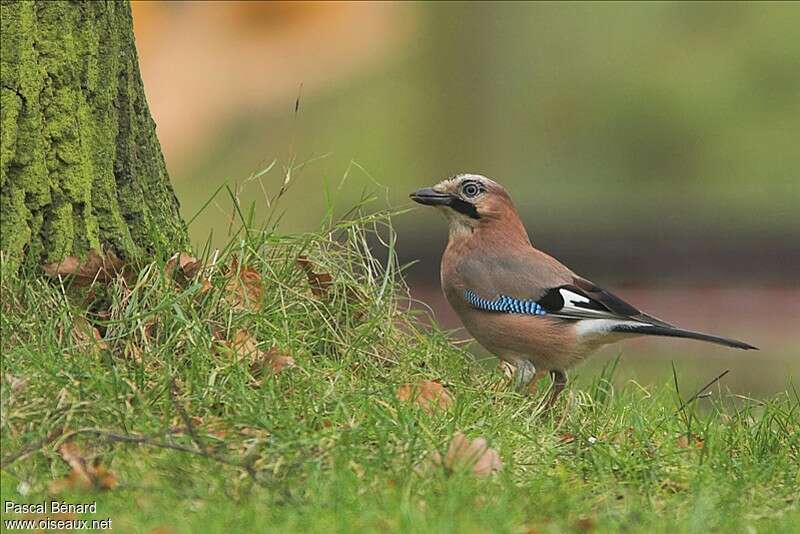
x: 82, y: 167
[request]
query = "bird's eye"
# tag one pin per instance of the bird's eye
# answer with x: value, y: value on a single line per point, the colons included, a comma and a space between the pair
x: 470, y: 190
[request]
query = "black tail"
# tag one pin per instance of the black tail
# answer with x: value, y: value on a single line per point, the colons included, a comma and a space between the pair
x: 652, y: 330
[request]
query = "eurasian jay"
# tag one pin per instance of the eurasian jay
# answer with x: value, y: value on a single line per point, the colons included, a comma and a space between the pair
x: 522, y: 305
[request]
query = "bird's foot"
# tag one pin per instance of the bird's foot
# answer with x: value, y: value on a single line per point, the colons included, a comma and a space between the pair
x: 524, y: 375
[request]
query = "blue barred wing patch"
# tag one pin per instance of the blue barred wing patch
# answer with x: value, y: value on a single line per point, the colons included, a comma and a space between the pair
x: 504, y: 304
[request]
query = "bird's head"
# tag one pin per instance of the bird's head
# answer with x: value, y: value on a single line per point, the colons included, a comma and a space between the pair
x: 470, y: 202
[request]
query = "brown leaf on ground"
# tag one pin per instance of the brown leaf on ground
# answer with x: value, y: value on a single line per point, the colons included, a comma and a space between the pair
x: 244, y: 288
x: 149, y: 331
x: 205, y: 285
x: 86, y: 336
x: 683, y: 441
x: 320, y: 282
x: 84, y: 476
x: 16, y: 383
x: 585, y: 524
x: 429, y: 395
x: 169, y: 267
x: 566, y: 437
x: 463, y: 454
x: 188, y: 265
x: 104, y: 478
x: 96, y: 267
x: 245, y: 345
x: 79, y: 476
x: 133, y: 352
x: 273, y: 360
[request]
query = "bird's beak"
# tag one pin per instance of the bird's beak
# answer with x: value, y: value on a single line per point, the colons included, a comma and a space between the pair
x: 429, y: 197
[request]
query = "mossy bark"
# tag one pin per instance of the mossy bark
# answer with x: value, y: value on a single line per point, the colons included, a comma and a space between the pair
x: 82, y: 167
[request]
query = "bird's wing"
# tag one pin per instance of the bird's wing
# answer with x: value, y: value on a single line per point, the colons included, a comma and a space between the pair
x: 523, y: 274
x: 539, y: 285
x: 567, y: 301
x: 534, y: 283
x: 584, y: 300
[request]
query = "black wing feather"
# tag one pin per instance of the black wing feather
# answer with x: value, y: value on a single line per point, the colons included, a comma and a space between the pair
x: 597, y: 302
x: 584, y: 300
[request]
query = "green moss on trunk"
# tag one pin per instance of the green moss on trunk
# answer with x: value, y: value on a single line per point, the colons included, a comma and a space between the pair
x: 81, y: 164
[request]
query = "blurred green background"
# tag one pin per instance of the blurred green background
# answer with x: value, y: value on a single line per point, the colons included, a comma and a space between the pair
x: 647, y: 145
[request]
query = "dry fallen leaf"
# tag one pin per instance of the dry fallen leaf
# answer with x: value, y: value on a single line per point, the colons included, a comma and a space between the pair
x: 566, y: 437
x: 244, y: 288
x: 178, y: 260
x: 273, y: 360
x: 320, y: 282
x: 83, y: 476
x: 104, y: 478
x: 87, y: 336
x: 245, y: 344
x: 585, y: 524
x: 169, y: 267
x: 463, y: 454
x: 133, y: 352
x: 190, y: 267
x: 16, y: 384
x: 95, y: 267
x: 429, y: 395
x: 79, y: 476
x: 149, y: 330
x: 683, y: 441
x: 205, y: 285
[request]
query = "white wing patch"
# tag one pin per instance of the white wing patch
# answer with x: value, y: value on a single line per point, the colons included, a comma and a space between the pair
x: 573, y: 308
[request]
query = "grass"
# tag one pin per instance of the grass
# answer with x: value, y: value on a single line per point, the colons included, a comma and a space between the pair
x: 223, y: 444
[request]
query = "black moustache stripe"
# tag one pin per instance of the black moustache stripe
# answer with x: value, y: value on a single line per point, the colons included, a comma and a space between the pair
x: 464, y: 207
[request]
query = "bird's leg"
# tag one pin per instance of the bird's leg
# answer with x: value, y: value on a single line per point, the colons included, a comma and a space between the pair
x: 524, y: 375
x: 559, y: 383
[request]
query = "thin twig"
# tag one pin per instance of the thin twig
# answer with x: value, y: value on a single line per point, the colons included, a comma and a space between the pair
x: 701, y: 390
x: 31, y: 447
x: 690, y: 399
x: 123, y: 438
x: 144, y: 440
